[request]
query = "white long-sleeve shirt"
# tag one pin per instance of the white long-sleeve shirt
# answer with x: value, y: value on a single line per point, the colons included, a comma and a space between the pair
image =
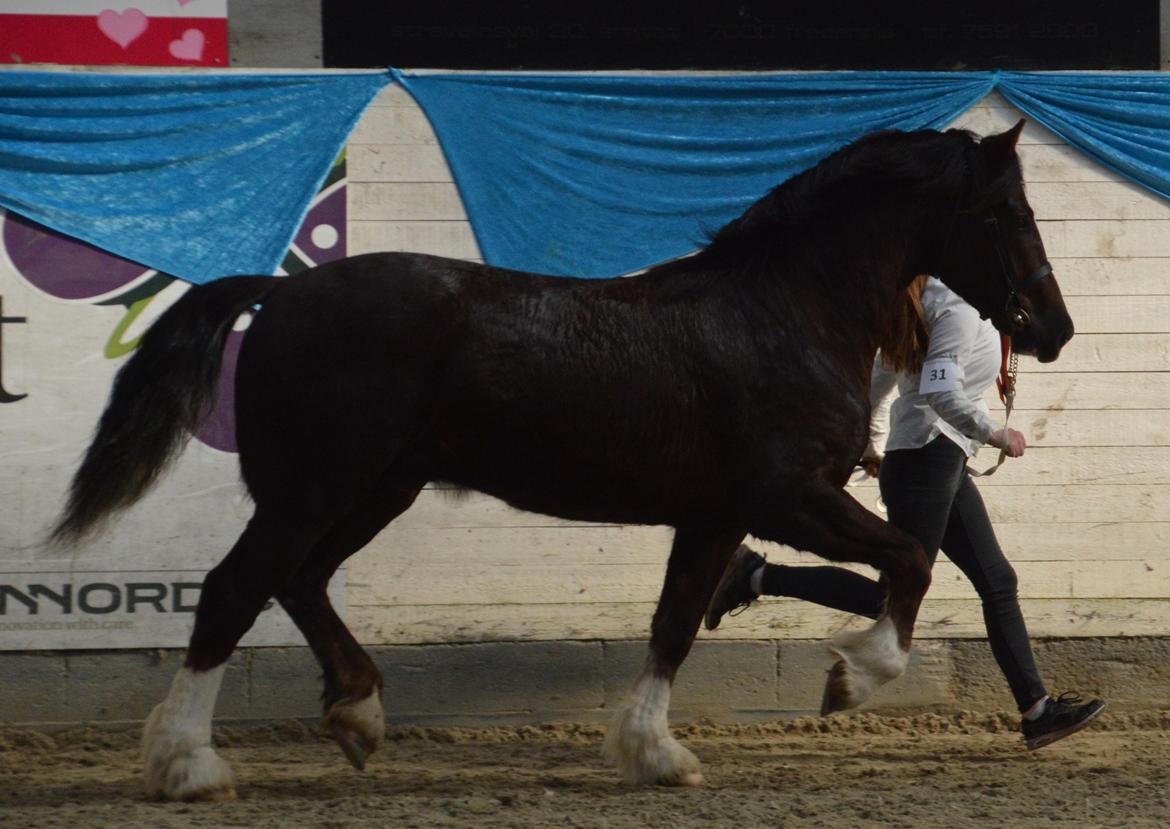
x: 946, y: 397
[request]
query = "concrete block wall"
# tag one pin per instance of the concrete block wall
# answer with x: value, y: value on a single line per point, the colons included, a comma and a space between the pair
x: 570, y: 681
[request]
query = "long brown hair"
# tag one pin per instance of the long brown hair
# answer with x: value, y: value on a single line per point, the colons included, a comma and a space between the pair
x: 903, y: 346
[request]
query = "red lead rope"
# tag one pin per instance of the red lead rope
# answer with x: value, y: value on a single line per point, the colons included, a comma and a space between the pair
x: 1006, y: 382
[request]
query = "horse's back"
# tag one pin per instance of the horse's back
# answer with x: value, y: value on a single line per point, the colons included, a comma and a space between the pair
x: 555, y: 394
x: 515, y: 384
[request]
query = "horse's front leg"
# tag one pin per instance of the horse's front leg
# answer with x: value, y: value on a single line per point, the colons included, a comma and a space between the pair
x: 824, y: 520
x: 639, y: 743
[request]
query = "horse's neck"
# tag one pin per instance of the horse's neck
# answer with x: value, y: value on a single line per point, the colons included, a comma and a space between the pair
x: 853, y: 289
x: 842, y: 296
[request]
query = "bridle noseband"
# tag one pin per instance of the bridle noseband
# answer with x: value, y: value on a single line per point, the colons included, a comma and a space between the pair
x: 1014, y: 313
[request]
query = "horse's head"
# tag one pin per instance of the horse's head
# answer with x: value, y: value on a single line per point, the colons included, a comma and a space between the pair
x: 995, y: 257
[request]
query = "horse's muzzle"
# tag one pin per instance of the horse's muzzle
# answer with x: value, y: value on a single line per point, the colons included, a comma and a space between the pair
x: 1043, y: 340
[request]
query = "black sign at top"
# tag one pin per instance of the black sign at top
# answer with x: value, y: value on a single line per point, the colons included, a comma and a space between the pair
x: 743, y: 34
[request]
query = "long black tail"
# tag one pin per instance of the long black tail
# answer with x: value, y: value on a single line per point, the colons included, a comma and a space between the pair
x: 160, y: 396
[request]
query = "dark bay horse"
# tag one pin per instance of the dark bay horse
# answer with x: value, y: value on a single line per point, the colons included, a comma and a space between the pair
x: 722, y: 394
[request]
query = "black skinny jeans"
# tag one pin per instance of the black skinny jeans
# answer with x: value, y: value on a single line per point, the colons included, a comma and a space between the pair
x: 929, y: 494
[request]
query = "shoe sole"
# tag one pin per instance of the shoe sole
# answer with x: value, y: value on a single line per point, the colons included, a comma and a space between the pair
x: 1049, y: 739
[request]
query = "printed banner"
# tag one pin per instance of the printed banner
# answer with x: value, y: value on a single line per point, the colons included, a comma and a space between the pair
x: 105, y: 33
x: 70, y: 314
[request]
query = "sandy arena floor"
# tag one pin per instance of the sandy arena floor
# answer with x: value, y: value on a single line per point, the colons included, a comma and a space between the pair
x: 924, y: 772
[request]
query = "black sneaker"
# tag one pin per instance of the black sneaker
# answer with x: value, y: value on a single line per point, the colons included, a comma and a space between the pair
x: 734, y: 593
x: 1062, y: 716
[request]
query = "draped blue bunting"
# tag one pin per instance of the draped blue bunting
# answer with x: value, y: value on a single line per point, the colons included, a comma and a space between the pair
x: 205, y: 175
x: 598, y: 175
x: 199, y: 176
x: 1120, y: 119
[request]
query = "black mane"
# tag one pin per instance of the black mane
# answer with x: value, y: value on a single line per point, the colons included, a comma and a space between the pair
x: 920, y: 161
x: 925, y: 159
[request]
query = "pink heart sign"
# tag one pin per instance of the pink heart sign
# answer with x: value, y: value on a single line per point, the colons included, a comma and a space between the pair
x: 122, y: 27
x: 189, y: 46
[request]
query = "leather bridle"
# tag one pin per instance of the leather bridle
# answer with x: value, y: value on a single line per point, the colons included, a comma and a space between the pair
x: 1015, y: 314
x: 1016, y: 317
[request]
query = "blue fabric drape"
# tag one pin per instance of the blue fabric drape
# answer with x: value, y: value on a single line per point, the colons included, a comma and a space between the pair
x: 206, y: 175
x: 600, y: 175
x: 199, y: 176
x: 1121, y: 120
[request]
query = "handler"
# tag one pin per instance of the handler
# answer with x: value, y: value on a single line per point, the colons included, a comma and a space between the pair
x: 941, y: 357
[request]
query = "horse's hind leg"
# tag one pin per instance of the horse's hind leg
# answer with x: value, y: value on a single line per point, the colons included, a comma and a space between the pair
x: 179, y: 761
x: 353, y: 685
x: 640, y: 742
x: 824, y: 520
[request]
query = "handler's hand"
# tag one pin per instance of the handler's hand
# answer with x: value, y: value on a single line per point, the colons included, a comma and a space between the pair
x: 1010, y: 441
x: 872, y: 464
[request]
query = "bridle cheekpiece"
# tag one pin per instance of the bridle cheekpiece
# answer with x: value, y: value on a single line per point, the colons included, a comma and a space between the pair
x: 1014, y: 314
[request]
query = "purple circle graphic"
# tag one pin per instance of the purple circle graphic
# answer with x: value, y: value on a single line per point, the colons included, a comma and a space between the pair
x: 219, y: 429
x: 330, y: 212
x: 64, y: 267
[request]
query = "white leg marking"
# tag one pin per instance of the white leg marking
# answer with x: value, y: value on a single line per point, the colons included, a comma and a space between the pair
x: 176, y: 742
x: 358, y: 727
x: 639, y: 743
x: 872, y: 658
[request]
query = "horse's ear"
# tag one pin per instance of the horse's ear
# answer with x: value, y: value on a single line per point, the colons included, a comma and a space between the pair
x: 998, y: 150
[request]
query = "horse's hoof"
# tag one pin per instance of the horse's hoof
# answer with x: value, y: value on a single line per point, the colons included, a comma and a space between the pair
x: 356, y: 747
x: 840, y: 694
x: 652, y: 759
x: 684, y: 773
x: 357, y: 727
x: 182, y: 766
x: 640, y: 745
x: 867, y: 660
x: 198, y: 775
